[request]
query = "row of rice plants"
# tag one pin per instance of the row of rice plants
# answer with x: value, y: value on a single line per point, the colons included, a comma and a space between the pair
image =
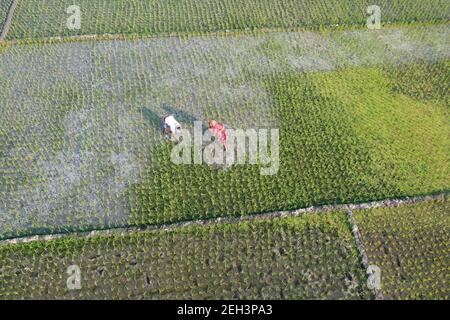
x: 410, y: 244
x: 4, y: 8
x: 45, y: 18
x: 311, y: 256
x: 81, y: 146
x: 332, y: 150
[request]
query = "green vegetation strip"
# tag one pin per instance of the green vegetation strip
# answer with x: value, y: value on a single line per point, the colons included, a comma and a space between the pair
x: 411, y: 246
x: 311, y: 256
x: 47, y: 18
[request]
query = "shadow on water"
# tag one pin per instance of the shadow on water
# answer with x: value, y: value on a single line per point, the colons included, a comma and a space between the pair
x: 153, y: 119
x: 180, y: 115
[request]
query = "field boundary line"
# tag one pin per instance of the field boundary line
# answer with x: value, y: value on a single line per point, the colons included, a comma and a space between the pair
x: 223, y: 33
x: 362, y: 249
x: 232, y: 219
x: 8, y: 21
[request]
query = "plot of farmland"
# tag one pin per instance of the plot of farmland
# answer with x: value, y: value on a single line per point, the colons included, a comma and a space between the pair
x: 312, y: 256
x: 81, y: 143
x: 411, y: 246
x: 363, y: 115
x: 45, y: 18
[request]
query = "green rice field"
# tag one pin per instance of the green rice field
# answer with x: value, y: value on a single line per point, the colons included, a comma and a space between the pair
x: 356, y: 117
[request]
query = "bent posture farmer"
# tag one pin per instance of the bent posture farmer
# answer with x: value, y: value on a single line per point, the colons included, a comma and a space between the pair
x: 219, y: 131
x: 171, y: 128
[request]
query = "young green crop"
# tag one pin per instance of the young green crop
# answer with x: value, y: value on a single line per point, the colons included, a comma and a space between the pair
x: 38, y: 18
x: 82, y: 148
x: 410, y: 244
x: 363, y: 115
x: 4, y: 7
x: 345, y: 137
x: 312, y: 256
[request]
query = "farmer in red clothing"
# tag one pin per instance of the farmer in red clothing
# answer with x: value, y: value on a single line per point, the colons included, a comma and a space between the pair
x: 219, y: 131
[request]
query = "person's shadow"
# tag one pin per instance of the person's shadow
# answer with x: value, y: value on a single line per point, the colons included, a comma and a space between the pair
x: 186, y: 119
x: 180, y: 115
x: 150, y: 116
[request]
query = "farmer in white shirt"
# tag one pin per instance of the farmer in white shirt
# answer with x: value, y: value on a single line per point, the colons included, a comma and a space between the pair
x: 171, y: 128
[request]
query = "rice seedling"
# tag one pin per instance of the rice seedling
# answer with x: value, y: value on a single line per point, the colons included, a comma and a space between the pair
x: 311, y: 256
x: 410, y: 244
x: 48, y: 18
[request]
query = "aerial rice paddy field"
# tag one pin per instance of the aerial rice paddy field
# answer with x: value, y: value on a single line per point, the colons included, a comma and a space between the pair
x: 37, y: 18
x: 313, y: 256
x: 363, y: 115
x: 411, y: 244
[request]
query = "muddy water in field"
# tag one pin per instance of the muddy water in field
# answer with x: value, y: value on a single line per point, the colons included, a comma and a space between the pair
x: 78, y: 120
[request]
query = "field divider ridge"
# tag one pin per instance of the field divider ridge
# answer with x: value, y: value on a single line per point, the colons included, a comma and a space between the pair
x: 362, y: 250
x: 230, y: 219
x: 8, y: 21
x: 219, y: 33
